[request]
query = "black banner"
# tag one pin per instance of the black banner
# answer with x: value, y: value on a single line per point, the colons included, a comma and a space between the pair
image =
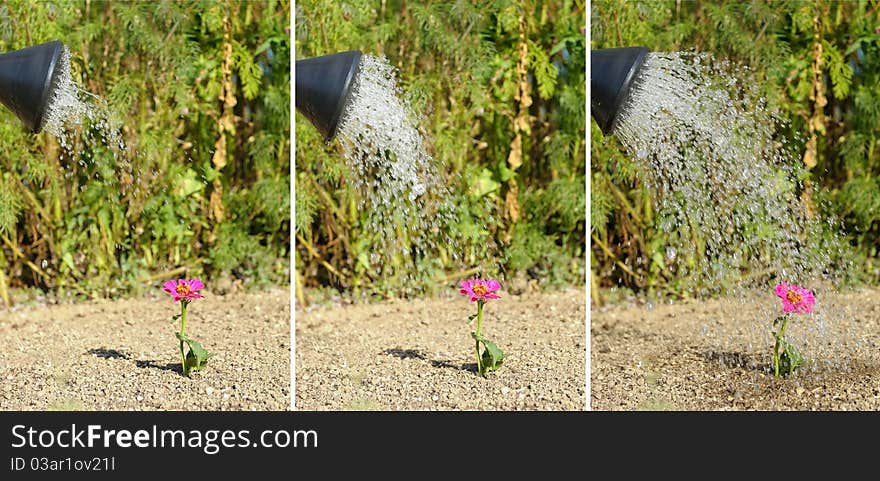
x: 83, y: 445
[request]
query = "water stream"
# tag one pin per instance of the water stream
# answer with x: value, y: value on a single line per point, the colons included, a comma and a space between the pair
x: 71, y: 105
x: 403, y: 199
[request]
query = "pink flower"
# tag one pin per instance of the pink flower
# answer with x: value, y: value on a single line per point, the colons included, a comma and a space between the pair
x: 184, y: 289
x: 478, y: 289
x: 795, y: 298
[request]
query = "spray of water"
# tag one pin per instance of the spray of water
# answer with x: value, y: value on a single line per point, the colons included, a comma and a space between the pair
x: 79, y: 118
x: 404, y: 198
x: 72, y: 108
x: 66, y: 106
x: 380, y: 139
x: 727, y: 186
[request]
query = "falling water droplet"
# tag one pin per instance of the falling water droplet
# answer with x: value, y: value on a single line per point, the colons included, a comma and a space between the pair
x: 406, y: 202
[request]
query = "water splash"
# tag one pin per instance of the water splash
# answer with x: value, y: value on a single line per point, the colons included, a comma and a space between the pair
x: 728, y: 188
x: 403, y: 197
x: 727, y: 185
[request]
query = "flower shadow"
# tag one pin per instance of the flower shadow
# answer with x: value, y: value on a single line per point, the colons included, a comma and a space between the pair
x: 438, y: 363
x: 405, y: 353
x: 472, y: 366
x: 105, y: 353
x: 176, y: 367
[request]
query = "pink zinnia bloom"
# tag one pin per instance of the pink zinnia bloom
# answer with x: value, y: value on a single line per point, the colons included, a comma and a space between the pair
x: 478, y: 289
x: 795, y: 298
x: 184, y: 289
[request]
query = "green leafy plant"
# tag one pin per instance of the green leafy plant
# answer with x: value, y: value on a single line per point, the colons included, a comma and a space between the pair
x: 202, y: 90
x: 481, y: 291
x: 185, y: 291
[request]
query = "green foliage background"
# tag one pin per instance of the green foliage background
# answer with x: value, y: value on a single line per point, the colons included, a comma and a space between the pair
x: 803, y: 54
x: 185, y: 79
x: 467, y: 66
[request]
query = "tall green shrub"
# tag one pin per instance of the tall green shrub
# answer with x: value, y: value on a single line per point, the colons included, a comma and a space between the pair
x: 202, y: 92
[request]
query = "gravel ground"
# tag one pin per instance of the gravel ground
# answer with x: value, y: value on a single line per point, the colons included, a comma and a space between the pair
x: 716, y: 355
x: 122, y: 355
x: 418, y: 355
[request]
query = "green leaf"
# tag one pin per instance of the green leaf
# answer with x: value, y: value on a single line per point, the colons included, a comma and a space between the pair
x: 561, y: 45
x: 855, y: 46
x: 67, y: 260
x: 505, y: 173
x: 471, y: 318
x: 200, y: 354
x: 657, y: 260
x: 197, y: 357
x: 187, y: 184
x: 838, y: 69
x: 484, y: 184
x: 492, y: 356
x: 364, y: 260
x: 191, y: 364
x: 544, y: 70
x: 790, y: 359
x: 268, y: 43
x: 249, y: 73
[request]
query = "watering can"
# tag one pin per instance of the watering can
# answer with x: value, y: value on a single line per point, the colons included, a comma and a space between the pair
x: 28, y: 78
x: 612, y: 71
x: 323, y: 88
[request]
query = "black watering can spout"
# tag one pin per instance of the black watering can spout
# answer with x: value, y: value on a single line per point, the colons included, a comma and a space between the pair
x: 612, y: 72
x: 323, y: 87
x: 28, y: 78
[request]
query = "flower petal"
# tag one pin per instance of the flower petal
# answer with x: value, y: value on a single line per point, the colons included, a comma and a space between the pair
x: 781, y: 289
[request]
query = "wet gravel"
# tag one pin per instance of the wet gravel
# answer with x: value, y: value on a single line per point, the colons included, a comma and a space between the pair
x: 716, y: 355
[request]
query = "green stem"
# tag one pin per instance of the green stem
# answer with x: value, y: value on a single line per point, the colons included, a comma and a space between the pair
x: 479, y: 328
x: 779, y: 336
x: 182, y: 337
